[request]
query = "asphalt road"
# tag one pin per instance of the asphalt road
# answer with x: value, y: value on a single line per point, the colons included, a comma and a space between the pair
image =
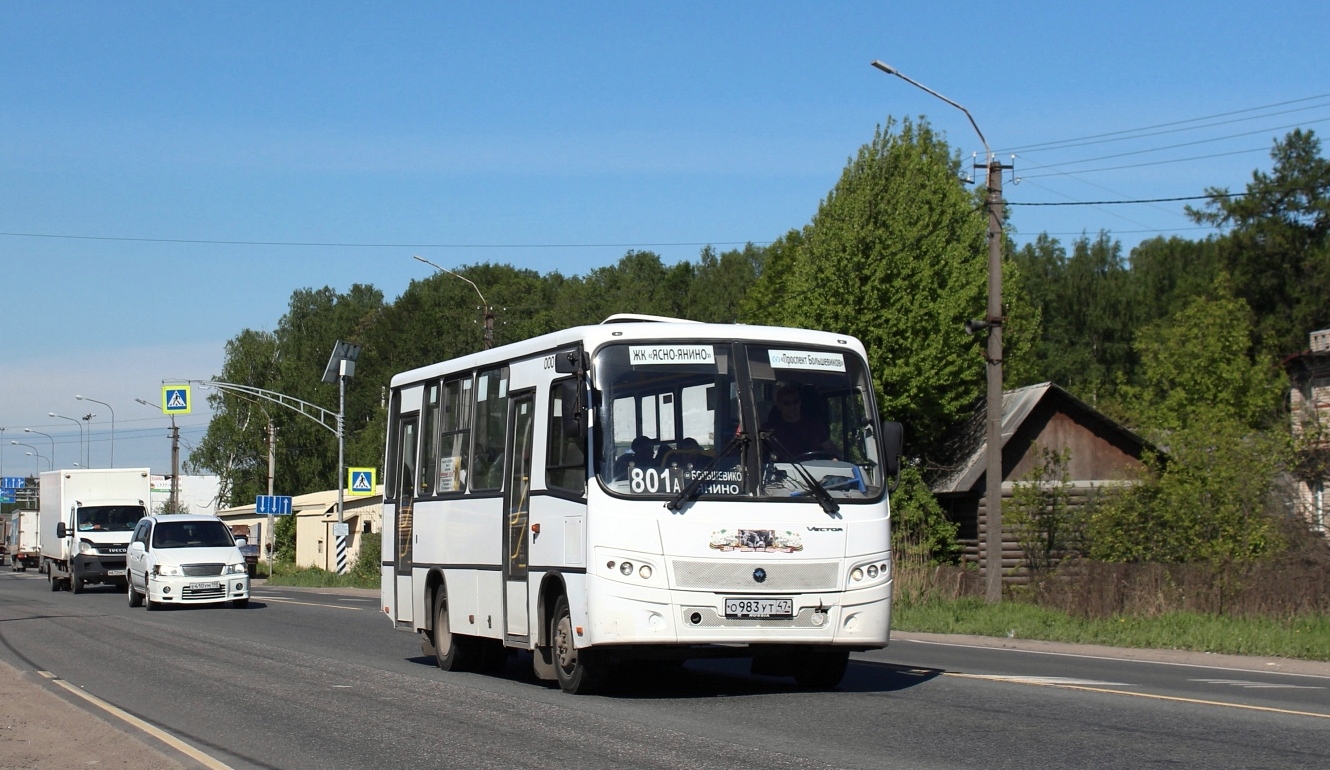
x: 303, y: 678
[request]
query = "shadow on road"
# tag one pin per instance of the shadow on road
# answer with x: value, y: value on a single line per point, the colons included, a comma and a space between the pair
x: 726, y: 677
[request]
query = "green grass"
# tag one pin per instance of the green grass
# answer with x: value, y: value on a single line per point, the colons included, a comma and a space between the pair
x: 1306, y: 637
x: 285, y: 574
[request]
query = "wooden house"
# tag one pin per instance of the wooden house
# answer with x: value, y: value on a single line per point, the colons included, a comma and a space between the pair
x: 1104, y: 454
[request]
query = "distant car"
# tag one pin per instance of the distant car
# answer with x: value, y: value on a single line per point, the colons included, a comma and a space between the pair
x: 185, y: 559
x: 251, y: 554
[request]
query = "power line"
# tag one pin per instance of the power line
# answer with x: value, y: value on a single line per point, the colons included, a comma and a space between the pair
x: 1164, y: 125
x: 337, y: 244
x: 1182, y: 144
x: 1152, y: 163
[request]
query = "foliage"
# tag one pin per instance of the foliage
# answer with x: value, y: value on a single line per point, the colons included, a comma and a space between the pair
x: 896, y: 256
x: 920, y: 533
x: 1199, y: 366
x: 1040, y: 512
x: 1211, y: 499
x: 367, y: 568
x: 287, y: 574
x: 284, y: 535
x: 165, y: 508
x: 1278, y: 248
x: 1306, y: 636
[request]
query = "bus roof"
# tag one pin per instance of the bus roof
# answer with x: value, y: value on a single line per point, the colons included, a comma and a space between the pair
x: 624, y: 328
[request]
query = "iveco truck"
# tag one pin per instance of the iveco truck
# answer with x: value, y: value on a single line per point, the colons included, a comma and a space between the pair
x: 87, y: 518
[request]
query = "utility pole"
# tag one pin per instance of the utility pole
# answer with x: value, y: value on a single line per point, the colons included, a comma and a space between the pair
x: 272, y: 466
x: 175, y: 466
x: 993, y: 323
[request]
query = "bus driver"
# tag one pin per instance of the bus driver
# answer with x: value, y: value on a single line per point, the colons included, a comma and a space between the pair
x: 796, y: 434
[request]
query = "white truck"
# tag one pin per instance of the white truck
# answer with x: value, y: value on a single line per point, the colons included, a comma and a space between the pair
x: 87, y: 518
x: 21, y: 543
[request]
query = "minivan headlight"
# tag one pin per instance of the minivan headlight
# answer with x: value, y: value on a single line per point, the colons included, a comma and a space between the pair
x: 235, y: 569
x: 166, y: 569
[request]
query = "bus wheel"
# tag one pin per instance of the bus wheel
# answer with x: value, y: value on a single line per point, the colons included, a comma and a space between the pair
x: 578, y: 672
x: 820, y: 669
x: 453, y: 652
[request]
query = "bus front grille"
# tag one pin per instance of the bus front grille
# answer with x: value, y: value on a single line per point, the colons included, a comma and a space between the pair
x: 729, y: 576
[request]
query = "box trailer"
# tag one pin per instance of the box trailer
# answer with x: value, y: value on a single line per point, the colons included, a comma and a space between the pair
x: 87, y: 516
x: 22, y: 548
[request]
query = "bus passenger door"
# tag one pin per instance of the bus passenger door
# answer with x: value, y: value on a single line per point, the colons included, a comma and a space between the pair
x: 403, y: 533
x: 517, y: 504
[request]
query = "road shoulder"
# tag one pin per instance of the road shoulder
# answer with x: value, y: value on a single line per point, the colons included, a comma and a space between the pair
x: 1175, y: 657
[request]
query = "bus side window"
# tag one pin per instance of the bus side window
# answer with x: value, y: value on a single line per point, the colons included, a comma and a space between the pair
x: 429, y: 442
x: 565, y: 467
x: 491, y: 424
x: 456, y: 434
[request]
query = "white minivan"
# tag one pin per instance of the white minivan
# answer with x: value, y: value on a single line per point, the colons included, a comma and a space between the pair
x: 185, y: 559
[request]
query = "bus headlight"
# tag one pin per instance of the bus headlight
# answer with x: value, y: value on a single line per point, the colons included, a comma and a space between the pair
x: 644, y: 571
x: 626, y: 568
x: 857, y: 574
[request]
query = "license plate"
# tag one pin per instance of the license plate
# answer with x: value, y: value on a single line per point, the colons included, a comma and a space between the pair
x: 204, y: 586
x: 115, y: 573
x: 759, y: 608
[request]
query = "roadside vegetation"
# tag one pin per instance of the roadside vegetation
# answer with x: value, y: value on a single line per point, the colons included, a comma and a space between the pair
x: 363, y: 574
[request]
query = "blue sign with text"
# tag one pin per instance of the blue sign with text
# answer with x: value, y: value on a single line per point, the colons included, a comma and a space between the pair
x: 273, y: 505
x: 13, y: 482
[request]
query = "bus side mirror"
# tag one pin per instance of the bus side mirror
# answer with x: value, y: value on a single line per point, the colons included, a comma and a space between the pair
x: 568, y: 362
x: 60, y: 531
x: 893, y: 443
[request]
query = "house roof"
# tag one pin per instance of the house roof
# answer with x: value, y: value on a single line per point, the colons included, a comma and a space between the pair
x: 1017, y: 406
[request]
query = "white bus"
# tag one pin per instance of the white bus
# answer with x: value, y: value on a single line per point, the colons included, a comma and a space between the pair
x: 642, y: 489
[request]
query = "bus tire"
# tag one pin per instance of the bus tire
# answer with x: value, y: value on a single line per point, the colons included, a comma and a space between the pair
x: 820, y: 669
x: 452, y: 652
x: 578, y: 672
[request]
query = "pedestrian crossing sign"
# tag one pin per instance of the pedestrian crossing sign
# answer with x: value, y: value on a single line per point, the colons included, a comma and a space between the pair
x: 361, y: 481
x: 175, y: 399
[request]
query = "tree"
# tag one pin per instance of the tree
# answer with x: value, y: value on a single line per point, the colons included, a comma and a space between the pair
x: 1278, y: 250
x: 1210, y: 398
x: 896, y: 256
x: 1201, y: 367
x: 1086, y: 312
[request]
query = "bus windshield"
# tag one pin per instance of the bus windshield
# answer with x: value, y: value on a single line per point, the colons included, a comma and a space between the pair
x: 670, y: 414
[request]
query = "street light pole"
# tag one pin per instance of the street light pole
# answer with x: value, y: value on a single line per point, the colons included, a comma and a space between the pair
x: 36, y: 454
x: 76, y: 422
x: 485, y: 306
x: 993, y: 323
x: 48, y: 436
x: 108, y: 406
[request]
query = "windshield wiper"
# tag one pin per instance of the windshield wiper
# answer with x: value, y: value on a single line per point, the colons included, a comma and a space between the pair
x: 819, y: 492
x: 689, y: 492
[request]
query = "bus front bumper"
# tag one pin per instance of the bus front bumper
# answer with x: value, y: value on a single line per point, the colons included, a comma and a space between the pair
x: 627, y: 614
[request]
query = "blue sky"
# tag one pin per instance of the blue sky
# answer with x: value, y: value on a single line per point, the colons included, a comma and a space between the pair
x: 136, y: 139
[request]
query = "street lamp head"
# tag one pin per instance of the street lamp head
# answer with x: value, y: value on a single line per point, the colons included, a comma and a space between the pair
x: 887, y: 68
x: 52, y: 414
x: 80, y: 398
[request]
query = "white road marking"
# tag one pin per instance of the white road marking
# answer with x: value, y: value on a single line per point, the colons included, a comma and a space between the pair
x: 1247, y: 684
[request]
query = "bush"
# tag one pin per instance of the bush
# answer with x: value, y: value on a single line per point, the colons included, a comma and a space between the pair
x: 920, y: 533
x: 1211, y: 499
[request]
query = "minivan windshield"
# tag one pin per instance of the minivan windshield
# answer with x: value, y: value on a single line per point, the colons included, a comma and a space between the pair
x: 191, y: 534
